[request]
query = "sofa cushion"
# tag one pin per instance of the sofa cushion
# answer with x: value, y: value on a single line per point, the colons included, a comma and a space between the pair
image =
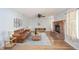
x: 21, y: 34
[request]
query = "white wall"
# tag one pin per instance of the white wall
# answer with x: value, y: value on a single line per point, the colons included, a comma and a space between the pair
x: 6, y: 22
x: 33, y: 23
x: 61, y: 15
x: 71, y: 28
x: 77, y: 23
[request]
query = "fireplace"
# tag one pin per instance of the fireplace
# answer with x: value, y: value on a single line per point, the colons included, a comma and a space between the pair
x: 57, y: 28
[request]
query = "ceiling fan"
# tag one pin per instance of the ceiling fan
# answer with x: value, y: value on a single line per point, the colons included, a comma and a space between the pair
x: 40, y: 15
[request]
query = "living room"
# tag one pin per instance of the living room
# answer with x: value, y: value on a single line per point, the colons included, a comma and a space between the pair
x: 49, y: 23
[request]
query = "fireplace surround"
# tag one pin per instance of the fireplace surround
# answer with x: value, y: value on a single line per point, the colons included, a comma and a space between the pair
x: 59, y: 29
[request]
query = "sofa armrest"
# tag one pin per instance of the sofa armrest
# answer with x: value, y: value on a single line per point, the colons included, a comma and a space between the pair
x: 16, y: 35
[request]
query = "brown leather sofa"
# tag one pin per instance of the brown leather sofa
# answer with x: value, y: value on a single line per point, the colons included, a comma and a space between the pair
x: 21, y: 35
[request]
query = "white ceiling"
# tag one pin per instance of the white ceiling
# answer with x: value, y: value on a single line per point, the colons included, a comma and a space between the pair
x: 32, y: 12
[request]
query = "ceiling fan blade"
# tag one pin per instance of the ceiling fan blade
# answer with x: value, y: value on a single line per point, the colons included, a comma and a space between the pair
x: 43, y: 16
x: 39, y: 15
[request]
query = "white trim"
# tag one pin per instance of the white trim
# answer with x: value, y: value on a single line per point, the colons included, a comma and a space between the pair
x: 77, y: 29
x: 73, y: 44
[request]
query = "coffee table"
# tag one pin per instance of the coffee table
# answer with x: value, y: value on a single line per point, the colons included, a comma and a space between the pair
x: 36, y: 38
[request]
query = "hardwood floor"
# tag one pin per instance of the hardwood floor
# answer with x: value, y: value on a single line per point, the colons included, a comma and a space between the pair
x: 60, y: 44
x: 56, y: 44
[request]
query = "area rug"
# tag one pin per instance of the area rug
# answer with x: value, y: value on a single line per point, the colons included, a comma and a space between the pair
x: 43, y: 42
